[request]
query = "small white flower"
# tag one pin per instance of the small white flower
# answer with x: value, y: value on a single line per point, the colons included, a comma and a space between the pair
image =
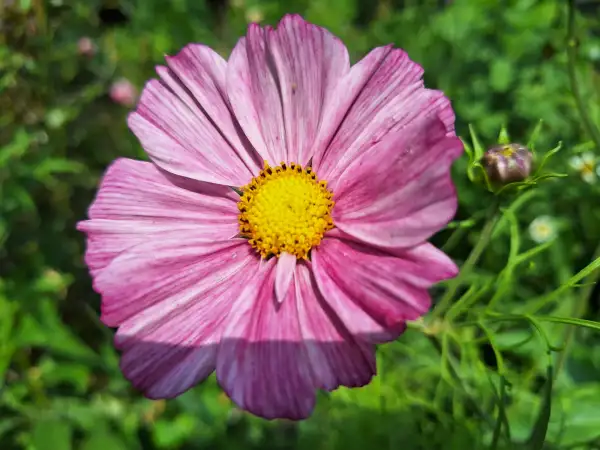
x: 542, y: 229
x: 585, y: 164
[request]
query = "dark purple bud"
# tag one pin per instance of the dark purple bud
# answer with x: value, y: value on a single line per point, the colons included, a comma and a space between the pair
x: 507, y: 163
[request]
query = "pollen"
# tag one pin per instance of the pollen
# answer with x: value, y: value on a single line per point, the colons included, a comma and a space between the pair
x: 507, y: 151
x: 285, y: 209
x: 587, y: 168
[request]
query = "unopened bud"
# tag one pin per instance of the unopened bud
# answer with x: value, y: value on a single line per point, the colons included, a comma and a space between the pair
x: 86, y: 47
x: 507, y: 163
x: 123, y: 92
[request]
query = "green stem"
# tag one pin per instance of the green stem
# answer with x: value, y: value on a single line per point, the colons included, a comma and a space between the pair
x: 580, y: 306
x: 579, y: 309
x: 471, y: 261
x: 572, y: 69
x: 455, y: 373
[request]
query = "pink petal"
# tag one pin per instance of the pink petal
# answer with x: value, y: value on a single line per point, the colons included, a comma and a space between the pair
x: 381, y: 94
x: 197, y: 75
x: 286, y: 264
x: 138, y: 203
x: 399, y: 193
x: 374, y: 293
x: 170, y: 299
x: 279, y: 82
x: 274, y: 356
x: 185, y: 124
x: 336, y: 357
x: 150, y: 272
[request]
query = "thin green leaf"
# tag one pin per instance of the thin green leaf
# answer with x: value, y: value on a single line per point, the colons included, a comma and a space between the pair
x: 540, y: 302
x: 523, y: 257
x: 16, y: 148
x: 519, y: 202
x: 468, y: 150
x: 497, y: 353
x: 469, y: 223
x: 571, y: 321
x: 503, y: 137
x: 549, y: 154
x: 467, y: 300
x: 535, y: 134
x: 502, y: 420
x: 478, y: 148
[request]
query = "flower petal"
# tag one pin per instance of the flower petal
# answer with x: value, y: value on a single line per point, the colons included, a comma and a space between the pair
x: 149, y: 273
x: 284, y: 273
x: 382, y: 94
x: 400, y: 192
x: 185, y: 124
x: 335, y: 356
x: 170, y: 299
x: 374, y: 293
x: 588, y: 177
x: 197, y: 75
x: 278, y: 82
x: 137, y: 203
x: 274, y: 356
x: 576, y: 162
x: 588, y: 158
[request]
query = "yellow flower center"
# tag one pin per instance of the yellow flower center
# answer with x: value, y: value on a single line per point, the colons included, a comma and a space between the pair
x: 587, y: 168
x: 285, y: 209
x: 507, y: 151
x: 543, y: 230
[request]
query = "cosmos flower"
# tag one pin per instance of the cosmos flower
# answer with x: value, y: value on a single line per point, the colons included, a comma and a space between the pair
x: 585, y: 164
x: 280, y: 231
x: 123, y: 92
x: 542, y: 229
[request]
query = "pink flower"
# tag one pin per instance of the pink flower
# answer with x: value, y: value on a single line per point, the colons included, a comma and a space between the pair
x: 281, y: 291
x: 123, y: 92
x: 86, y: 47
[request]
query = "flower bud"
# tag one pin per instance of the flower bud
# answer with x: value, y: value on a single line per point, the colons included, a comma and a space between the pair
x: 86, y: 47
x: 123, y: 92
x: 507, y: 163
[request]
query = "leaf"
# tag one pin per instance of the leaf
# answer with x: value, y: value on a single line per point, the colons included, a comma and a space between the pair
x: 535, y: 134
x: 549, y: 154
x: 101, y: 438
x: 501, y: 74
x: 49, y: 167
x: 7, y: 425
x: 478, y: 149
x: 503, y: 137
x: 513, y: 208
x: 25, y: 5
x: 45, y: 329
x: 581, y: 417
x: 16, y: 148
x: 536, y: 304
x: 7, y: 347
x: 502, y: 420
x: 51, y: 434
x: 174, y: 433
x: 571, y: 321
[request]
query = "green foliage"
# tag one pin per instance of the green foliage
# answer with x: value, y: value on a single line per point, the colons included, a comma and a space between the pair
x: 508, y: 358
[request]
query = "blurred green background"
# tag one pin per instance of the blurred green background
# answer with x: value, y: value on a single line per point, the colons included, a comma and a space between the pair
x: 500, y: 62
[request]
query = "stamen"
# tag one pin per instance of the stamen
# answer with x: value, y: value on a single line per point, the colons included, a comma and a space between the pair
x: 285, y: 209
